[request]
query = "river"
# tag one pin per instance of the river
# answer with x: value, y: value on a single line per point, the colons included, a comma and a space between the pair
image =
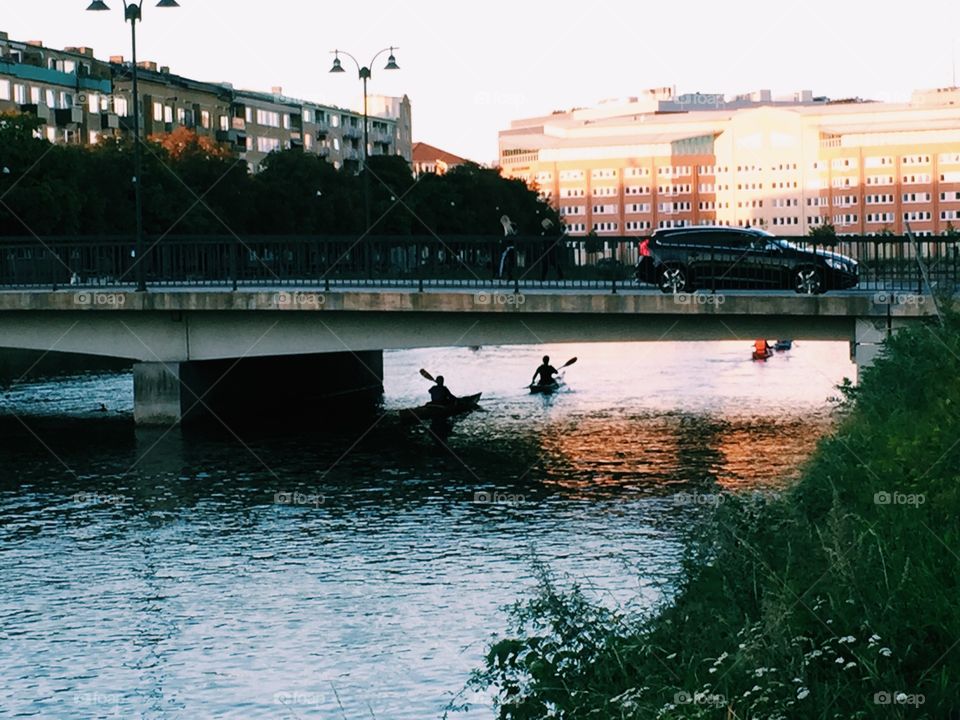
x: 358, y: 570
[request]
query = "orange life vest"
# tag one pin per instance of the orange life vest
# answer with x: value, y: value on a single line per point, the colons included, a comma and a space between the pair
x: 760, y: 347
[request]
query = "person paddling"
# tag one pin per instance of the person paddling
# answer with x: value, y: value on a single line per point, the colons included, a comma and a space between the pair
x: 440, y: 394
x: 545, y: 373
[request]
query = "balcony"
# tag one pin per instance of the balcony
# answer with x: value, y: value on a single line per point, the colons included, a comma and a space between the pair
x: 69, y: 116
x: 239, y: 124
x: 109, y: 121
x: 40, y: 111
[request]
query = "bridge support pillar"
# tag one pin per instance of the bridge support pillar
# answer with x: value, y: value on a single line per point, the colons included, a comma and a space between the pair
x: 869, y: 336
x: 251, y: 390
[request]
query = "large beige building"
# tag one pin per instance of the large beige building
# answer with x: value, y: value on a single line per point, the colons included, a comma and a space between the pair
x: 787, y: 165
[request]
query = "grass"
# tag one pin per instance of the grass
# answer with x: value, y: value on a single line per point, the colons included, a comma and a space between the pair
x: 837, y: 600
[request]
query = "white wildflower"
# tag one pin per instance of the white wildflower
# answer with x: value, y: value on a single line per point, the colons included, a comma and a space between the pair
x: 802, y: 693
x: 885, y: 651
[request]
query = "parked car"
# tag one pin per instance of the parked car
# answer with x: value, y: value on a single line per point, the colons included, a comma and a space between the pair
x: 708, y: 257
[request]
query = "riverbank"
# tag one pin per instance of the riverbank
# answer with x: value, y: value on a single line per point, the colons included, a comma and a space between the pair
x: 836, y: 600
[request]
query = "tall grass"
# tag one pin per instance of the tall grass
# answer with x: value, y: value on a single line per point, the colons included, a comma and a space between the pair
x: 841, y: 599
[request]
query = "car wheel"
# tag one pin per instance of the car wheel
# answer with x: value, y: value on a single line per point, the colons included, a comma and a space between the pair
x: 673, y: 279
x: 808, y: 281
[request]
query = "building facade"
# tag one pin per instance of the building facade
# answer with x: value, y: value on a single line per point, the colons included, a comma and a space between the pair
x: 80, y: 100
x: 788, y: 165
x: 67, y: 90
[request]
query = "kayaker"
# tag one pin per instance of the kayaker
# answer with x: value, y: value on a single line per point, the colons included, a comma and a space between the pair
x: 440, y: 394
x: 761, y: 348
x: 545, y: 373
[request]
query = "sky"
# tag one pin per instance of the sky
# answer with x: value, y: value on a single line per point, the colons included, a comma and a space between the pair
x: 471, y: 67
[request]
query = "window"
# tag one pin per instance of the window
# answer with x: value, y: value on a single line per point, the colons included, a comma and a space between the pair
x: 636, y: 172
x: 157, y: 112
x: 872, y: 162
x: 605, y: 226
x: 66, y: 100
x: 336, y: 143
x: 34, y: 95
x: 248, y: 114
x: 308, y: 141
x: 603, y: 173
x: 224, y: 123
x: 571, y: 174
x: 5, y: 89
x: 638, y: 225
x: 20, y: 94
x: 182, y: 116
x: 639, y: 208
x: 120, y: 106
x: 268, y: 118
x: 950, y: 177
x: 205, y: 119
x: 335, y: 121
x: 307, y: 115
x: 267, y: 145
x: 168, y: 114
x: 950, y: 159
x: 94, y: 137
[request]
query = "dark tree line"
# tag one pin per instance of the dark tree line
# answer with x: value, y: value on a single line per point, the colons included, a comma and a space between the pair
x: 193, y: 186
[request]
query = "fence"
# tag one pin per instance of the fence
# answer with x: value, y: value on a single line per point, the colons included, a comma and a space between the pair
x: 397, y: 261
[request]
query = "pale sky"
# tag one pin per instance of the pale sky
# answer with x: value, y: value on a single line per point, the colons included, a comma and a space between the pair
x: 471, y: 67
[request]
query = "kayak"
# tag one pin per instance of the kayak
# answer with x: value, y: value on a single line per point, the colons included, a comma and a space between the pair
x: 783, y: 345
x: 437, y: 411
x: 762, y: 356
x: 544, y: 389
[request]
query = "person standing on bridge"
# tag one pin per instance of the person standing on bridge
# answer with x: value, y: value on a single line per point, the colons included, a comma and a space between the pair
x: 440, y: 394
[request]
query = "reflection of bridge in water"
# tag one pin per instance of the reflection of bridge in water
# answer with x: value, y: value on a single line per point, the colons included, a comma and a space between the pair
x: 210, y: 336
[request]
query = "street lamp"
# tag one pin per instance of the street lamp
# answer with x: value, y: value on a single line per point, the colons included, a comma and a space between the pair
x: 133, y: 13
x: 365, y: 75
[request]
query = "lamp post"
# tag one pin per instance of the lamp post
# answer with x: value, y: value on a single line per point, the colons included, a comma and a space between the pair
x: 133, y: 13
x: 365, y: 75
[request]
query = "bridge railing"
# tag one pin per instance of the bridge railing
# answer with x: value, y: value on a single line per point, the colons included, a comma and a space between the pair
x: 885, y: 263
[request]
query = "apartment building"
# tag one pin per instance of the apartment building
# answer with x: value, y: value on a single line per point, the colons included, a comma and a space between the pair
x: 65, y: 89
x: 169, y: 101
x: 785, y: 164
x: 81, y: 99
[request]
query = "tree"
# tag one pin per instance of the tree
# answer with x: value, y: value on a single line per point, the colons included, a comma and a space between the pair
x: 825, y: 234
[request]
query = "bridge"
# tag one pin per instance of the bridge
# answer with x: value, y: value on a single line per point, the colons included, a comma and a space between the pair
x: 210, y: 336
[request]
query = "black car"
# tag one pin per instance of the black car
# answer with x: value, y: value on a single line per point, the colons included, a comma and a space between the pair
x: 706, y: 257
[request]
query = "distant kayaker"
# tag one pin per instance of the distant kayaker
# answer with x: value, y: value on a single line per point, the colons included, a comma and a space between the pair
x: 440, y: 394
x: 545, y: 373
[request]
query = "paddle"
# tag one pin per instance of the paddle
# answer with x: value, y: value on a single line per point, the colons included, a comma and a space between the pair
x: 567, y: 364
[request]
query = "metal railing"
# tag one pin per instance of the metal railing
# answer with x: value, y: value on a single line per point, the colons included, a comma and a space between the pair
x: 600, y: 264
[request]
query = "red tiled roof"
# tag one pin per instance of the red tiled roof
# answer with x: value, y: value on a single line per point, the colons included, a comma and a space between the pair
x: 424, y: 153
